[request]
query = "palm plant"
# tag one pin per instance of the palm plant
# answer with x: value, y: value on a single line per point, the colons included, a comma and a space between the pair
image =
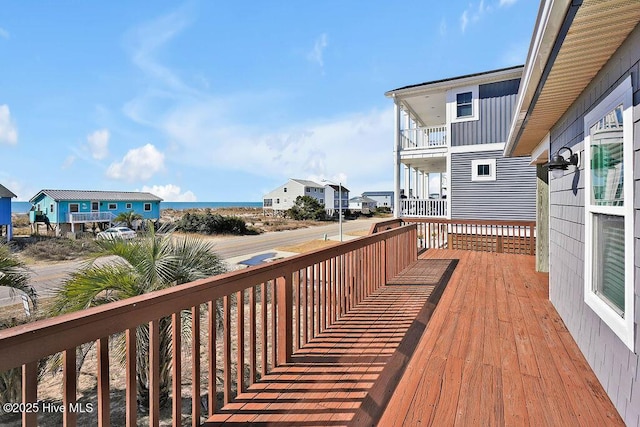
x: 128, y: 217
x: 150, y: 263
x: 13, y: 275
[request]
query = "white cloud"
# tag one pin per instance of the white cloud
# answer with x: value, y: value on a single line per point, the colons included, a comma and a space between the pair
x: 98, y: 143
x: 516, y: 53
x: 443, y: 27
x: 170, y: 193
x: 8, y: 129
x: 68, y: 162
x: 4, y: 33
x: 464, y: 20
x: 473, y: 14
x: 507, y: 2
x: 138, y: 164
x: 316, y: 54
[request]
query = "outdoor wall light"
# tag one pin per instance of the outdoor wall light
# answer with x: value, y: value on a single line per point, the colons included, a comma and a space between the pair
x: 558, y: 164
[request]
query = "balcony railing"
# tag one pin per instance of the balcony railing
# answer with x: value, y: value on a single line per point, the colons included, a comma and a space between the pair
x: 90, y: 217
x: 515, y: 237
x: 424, y: 137
x: 434, y: 208
x: 276, y: 309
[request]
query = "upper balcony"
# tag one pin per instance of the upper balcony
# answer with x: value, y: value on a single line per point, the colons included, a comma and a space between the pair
x: 361, y: 333
x: 424, y: 137
x: 84, y: 217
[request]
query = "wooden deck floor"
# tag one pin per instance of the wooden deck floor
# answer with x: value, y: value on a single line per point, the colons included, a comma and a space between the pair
x: 494, y: 352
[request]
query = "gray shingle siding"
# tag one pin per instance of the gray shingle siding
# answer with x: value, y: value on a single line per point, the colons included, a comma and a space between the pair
x: 512, y: 196
x: 497, y: 102
x: 617, y: 368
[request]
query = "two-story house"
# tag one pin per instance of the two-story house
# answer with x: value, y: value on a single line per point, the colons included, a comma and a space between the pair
x: 336, y: 196
x: 71, y: 210
x: 453, y: 132
x: 384, y: 199
x: 6, y: 228
x: 283, y: 198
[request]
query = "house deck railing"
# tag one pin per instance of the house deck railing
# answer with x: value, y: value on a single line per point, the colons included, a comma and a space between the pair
x: 243, y: 324
x: 517, y: 237
x: 79, y: 217
x: 424, y: 137
x: 432, y: 208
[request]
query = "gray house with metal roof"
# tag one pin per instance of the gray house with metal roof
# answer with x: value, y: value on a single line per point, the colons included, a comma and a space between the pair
x: 74, y: 210
x: 284, y: 197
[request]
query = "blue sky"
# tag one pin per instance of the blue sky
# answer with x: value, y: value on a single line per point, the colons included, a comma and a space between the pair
x: 224, y: 101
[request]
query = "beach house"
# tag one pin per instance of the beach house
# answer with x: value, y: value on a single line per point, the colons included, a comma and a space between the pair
x: 281, y: 199
x: 577, y: 116
x: 6, y: 228
x: 384, y: 199
x: 362, y: 204
x: 449, y: 139
x: 74, y: 210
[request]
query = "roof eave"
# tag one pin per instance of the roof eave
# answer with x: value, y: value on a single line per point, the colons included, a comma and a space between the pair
x: 552, y: 19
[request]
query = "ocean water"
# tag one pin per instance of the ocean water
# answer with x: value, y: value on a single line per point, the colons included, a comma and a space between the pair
x: 24, y: 207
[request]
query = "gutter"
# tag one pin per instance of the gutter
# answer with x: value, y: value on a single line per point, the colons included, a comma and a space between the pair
x: 550, y: 32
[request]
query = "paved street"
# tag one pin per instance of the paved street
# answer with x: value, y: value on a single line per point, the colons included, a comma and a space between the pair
x: 47, y: 277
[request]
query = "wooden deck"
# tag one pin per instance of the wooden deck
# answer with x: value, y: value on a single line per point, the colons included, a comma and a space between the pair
x: 494, y: 352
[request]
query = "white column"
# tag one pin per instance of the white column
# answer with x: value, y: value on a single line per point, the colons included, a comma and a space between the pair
x: 396, y: 163
x: 407, y: 180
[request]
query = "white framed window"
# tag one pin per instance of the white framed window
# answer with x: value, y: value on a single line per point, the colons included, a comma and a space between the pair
x: 463, y: 104
x: 129, y: 205
x: 112, y: 206
x: 609, y: 270
x: 483, y: 170
x: 147, y: 207
x: 285, y: 189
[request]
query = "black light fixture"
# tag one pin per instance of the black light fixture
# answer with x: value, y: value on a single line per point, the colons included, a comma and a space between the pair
x: 558, y: 164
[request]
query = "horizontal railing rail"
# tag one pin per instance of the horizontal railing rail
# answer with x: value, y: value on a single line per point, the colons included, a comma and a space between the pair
x: 424, y: 137
x: 89, y: 216
x: 423, y: 207
x: 516, y: 237
x: 244, y: 323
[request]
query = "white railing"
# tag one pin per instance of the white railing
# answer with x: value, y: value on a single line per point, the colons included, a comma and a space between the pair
x: 90, y: 217
x: 424, y: 208
x: 424, y: 137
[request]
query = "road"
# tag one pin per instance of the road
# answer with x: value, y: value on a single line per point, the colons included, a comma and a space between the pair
x: 45, y: 278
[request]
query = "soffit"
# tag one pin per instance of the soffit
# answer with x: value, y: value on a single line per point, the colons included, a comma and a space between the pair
x: 597, y: 31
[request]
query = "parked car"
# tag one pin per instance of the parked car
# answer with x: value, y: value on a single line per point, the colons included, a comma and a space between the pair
x: 117, y: 232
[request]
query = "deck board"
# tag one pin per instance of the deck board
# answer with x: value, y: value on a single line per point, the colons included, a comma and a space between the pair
x: 494, y: 352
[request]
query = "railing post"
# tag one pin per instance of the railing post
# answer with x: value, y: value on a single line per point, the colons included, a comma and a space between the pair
x: 284, y: 289
x: 499, y: 248
x: 532, y: 244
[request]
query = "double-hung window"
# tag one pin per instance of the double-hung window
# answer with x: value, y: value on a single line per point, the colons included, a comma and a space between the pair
x: 608, y: 146
x: 464, y: 104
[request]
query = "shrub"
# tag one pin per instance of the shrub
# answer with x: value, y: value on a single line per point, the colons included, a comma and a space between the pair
x: 210, y: 223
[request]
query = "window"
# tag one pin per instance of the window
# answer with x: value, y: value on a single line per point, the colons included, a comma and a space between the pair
x: 268, y: 202
x: 608, y: 152
x: 308, y: 190
x: 129, y: 205
x: 73, y: 207
x: 113, y: 206
x: 147, y: 207
x: 483, y: 170
x: 95, y: 206
x: 285, y: 189
x: 277, y: 201
x: 51, y: 208
x: 464, y: 104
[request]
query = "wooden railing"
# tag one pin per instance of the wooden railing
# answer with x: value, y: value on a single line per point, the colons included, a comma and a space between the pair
x: 424, y: 137
x: 516, y: 237
x: 244, y: 323
x: 423, y: 207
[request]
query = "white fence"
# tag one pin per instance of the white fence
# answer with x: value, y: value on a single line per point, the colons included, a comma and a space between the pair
x: 424, y: 207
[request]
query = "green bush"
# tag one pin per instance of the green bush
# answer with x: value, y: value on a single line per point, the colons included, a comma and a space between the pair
x: 210, y: 223
x: 305, y: 208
